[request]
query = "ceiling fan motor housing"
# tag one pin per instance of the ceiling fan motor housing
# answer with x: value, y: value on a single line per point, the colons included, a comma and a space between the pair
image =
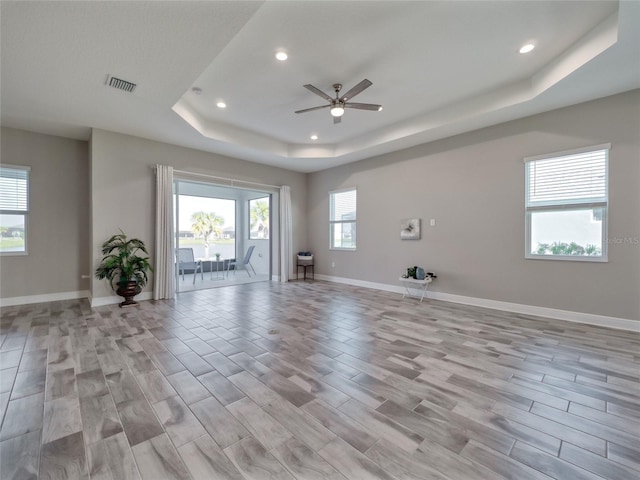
x: 337, y: 105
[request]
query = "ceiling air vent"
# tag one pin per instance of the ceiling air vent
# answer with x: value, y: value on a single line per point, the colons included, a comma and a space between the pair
x: 120, y: 84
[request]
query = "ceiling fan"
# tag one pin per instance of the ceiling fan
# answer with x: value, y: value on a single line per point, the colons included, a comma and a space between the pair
x: 338, y: 104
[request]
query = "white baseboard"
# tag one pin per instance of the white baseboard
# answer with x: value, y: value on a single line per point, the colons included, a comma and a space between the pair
x: 275, y: 278
x: 569, y: 316
x: 361, y: 283
x: 47, y: 297
x: 102, y: 301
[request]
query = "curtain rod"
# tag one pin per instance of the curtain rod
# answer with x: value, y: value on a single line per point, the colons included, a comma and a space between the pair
x: 231, y: 180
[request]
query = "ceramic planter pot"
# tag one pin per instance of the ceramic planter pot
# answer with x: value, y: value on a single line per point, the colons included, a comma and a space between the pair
x: 128, y: 290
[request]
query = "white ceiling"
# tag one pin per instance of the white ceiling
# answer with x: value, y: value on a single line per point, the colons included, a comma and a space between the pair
x: 438, y: 68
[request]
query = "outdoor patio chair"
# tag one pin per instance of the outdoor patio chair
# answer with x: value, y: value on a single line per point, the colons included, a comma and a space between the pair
x: 243, y: 263
x: 187, y: 262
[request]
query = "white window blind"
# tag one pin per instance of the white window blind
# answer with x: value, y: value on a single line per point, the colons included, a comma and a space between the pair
x: 579, y: 178
x: 343, y: 206
x: 14, y: 189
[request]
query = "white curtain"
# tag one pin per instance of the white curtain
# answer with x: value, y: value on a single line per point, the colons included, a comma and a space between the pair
x: 286, y: 234
x: 164, y: 284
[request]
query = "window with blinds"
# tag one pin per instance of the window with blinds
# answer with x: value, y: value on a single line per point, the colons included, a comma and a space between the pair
x: 14, y: 208
x: 566, y: 202
x: 342, y: 219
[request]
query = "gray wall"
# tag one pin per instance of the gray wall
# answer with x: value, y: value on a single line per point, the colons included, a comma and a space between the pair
x: 58, y: 221
x: 473, y: 186
x: 123, y: 186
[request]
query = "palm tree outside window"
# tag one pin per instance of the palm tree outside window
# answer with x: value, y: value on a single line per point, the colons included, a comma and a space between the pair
x: 259, y: 218
x: 207, y: 225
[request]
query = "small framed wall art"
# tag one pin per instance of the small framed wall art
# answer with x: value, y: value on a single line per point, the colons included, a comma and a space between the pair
x: 410, y: 229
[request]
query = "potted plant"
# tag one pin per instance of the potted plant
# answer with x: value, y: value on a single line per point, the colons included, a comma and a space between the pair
x: 123, y: 265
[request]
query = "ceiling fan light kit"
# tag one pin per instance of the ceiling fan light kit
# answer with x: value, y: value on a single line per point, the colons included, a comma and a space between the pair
x: 337, y: 110
x: 337, y: 105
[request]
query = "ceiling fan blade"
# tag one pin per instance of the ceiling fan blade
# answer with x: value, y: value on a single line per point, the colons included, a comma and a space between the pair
x: 363, y: 106
x: 337, y: 120
x: 312, y: 109
x: 317, y: 91
x: 356, y: 90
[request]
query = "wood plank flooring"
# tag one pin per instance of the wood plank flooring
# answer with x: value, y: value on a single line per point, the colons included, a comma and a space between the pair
x: 313, y: 380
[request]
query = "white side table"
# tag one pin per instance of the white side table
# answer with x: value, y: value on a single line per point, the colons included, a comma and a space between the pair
x: 211, y: 261
x: 217, y: 262
x: 420, y: 286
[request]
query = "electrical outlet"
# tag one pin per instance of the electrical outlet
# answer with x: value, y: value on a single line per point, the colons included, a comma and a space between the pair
x: 333, y: 264
x: 432, y: 222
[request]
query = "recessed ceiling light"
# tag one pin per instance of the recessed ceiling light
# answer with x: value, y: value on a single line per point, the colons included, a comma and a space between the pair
x: 314, y: 137
x: 527, y: 48
x: 221, y: 105
x: 281, y: 55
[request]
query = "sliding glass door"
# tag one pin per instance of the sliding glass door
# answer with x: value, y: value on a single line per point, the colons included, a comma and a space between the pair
x: 205, y: 234
x: 216, y: 226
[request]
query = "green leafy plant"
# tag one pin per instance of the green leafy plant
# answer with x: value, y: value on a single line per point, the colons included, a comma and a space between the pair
x: 542, y: 248
x: 562, y: 248
x: 122, y: 261
x: 592, y: 250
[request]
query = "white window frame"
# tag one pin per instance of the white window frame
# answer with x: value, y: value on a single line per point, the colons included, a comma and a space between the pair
x: 559, y: 206
x: 24, y: 213
x: 333, y: 222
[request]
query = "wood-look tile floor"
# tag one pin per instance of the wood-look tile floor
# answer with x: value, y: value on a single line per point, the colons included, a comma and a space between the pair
x: 312, y: 380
